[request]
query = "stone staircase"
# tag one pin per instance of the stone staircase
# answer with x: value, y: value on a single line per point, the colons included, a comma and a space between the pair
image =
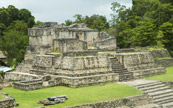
x: 161, y: 93
x: 124, y: 74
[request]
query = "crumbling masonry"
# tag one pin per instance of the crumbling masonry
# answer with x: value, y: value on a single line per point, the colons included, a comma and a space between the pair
x: 77, y: 56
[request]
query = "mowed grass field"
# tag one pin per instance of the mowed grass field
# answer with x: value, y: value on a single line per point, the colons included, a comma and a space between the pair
x: 1, y: 97
x: 77, y: 96
x: 164, y: 77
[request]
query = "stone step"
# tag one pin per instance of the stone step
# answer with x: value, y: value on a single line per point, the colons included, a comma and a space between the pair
x: 168, y: 105
x: 149, y: 106
x: 163, y: 96
x: 161, y: 100
x: 165, y: 101
x: 160, y: 92
x: 152, y: 87
x: 148, y: 85
x: 157, y: 89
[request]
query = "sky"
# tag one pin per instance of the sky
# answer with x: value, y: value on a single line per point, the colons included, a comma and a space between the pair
x: 61, y: 10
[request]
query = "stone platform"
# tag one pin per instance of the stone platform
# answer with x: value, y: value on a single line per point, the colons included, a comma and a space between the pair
x: 142, y: 64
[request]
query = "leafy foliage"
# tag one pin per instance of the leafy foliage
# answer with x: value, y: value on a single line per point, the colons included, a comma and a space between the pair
x: 98, y: 22
x: 147, y: 23
x: 2, y: 74
x: 14, y: 25
x: 13, y: 44
x: 16, y: 16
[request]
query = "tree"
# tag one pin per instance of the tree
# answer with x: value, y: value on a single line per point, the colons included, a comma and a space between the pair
x: 13, y: 44
x: 167, y: 29
x: 78, y: 18
x: 38, y: 23
x: 18, y: 26
x: 98, y: 22
x: 4, y: 17
x: 25, y: 15
x: 68, y: 22
x: 144, y: 24
x: 13, y: 13
x: 118, y: 12
x: 160, y: 39
x: 144, y: 34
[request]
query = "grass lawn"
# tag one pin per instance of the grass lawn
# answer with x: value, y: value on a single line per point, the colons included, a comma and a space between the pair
x: 162, y: 58
x: 1, y: 97
x: 164, y: 77
x: 77, y: 96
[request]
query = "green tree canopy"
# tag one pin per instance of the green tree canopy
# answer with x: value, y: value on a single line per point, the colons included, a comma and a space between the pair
x: 18, y: 26
x: 13, y: 44
x: 148, y: 22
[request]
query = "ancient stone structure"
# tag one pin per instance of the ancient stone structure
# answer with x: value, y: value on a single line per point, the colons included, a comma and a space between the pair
x: 63, y: 54
x: 7, y: 102
x: 141, y: 64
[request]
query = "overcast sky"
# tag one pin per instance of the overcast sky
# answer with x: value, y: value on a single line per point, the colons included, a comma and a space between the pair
x: 61, y: 10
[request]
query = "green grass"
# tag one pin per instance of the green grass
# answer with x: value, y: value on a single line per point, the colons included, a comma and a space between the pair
x: 165, y: 77
x: 1, y: 97
x: 92, y: 47
x: 57, y: 52
x: 162, y: 58
x: 77, y: 96
x: 149, y: 48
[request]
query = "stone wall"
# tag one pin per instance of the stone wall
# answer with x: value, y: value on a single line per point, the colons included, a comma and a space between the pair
x: 75, y: 71
x: 142, y: 64
x: 69, y: 44
x: 43, y: 61
x: 160, y: 53
x: 29, y: 85
x: 165, y: 62
x: 81, y: 53
x: 123, y: 102
x: 45, y: 35
x: 18, y: 76
x: 86, y: 35
x: 8, y: 102
x: 84, y: 80
x: 83, y: 63
x: 109, y: 43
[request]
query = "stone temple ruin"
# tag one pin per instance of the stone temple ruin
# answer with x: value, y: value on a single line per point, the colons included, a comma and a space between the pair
x: 77, y: 56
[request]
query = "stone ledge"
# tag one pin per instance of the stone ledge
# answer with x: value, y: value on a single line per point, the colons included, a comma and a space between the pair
x: 18, y: 76
x: 8, y: 102
x: 165, y: 62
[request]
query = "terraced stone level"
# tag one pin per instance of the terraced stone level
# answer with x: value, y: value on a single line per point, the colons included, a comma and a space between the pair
x: 160, y: 92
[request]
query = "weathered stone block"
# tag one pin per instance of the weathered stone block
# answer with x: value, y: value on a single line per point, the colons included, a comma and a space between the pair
x: 43, y: 61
